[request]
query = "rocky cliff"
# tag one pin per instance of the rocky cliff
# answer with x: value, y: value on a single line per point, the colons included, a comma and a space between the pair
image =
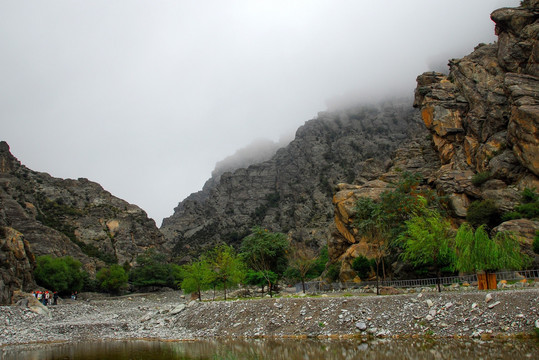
x: 66, y: 217
x: 292, y: 191
x: 483, y: 117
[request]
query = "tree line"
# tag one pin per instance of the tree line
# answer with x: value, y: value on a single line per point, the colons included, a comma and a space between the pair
x: 264, y: 259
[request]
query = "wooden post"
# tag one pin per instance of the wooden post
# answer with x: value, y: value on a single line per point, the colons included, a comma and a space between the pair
x: 482, y: 283
x: 491, y: 281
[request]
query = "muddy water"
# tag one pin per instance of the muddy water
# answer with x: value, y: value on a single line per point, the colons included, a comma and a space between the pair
x: 279, y: 349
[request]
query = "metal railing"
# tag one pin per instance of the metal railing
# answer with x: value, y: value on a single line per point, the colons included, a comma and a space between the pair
x: 320, y: 286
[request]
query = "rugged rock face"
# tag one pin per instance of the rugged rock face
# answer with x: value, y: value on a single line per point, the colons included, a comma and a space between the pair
x: 483, y: 117
x: 16, y: 264
x: 292, y: 191
x: 71, y: 217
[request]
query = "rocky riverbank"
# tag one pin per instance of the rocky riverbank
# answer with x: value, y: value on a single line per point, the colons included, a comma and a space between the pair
x: 169, y: 316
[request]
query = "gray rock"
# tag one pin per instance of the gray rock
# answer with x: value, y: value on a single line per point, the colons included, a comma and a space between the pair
x: 361, y: 326
x: 178, y: 309
x: 493, y: 304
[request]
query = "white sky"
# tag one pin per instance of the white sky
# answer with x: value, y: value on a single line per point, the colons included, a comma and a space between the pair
x: 144, y: 97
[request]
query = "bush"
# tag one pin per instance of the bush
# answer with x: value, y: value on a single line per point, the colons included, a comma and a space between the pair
x: 528, y: 209
x: 334, y: 271
x: 59, y: 274
x: 529, y: 196
x: 536, y: 243
x: 483, y: 213
x: 112, y: 279
x: 362, y: 266
x: 480, y: 178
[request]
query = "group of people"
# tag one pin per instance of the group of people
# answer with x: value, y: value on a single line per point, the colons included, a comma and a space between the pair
x: 45, y: 297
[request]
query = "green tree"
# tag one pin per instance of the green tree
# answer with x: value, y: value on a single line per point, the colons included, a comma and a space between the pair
x: 62, y: 274
x: 428, y: 241
x: 265, y: 252
x: 381, y: 222
x: 152, y: 269
x: 476, y: 251
x: 112, y: 279
x: 227, y: 266
x: 258, y: 278
x: 197, y: 276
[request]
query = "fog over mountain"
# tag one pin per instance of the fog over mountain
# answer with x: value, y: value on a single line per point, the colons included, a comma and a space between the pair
x: 146, y: 97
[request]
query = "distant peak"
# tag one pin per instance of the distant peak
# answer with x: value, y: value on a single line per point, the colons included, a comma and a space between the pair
x: 4, y: 146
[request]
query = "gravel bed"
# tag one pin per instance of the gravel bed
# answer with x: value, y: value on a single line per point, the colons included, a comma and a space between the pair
x: 168, y: 315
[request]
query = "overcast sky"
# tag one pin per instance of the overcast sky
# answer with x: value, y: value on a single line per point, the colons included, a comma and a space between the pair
x: 144, y: 97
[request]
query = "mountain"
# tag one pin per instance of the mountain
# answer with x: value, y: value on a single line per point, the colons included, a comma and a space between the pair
x: 43, y: 215
x: 292, y: 192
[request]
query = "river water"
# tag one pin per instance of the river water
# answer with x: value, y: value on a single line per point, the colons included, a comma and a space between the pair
x: 276, y: 349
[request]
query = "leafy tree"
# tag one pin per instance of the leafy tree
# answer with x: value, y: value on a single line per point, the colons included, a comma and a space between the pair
x: 476, y: 251
x: 197, y: 276
x: 61, y: 274
x: 152, y: 269
x: 112, y: 279
x: 227, y: 266
x: 259, y: 278
x: 265, y: 252
x: 428, y: 241
x: 302, y: 259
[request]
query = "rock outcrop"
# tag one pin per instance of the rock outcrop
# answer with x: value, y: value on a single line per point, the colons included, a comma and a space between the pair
x: 292, y: 191
x: 483, y: 117
x: 69, y: 217
x: 16, y: 264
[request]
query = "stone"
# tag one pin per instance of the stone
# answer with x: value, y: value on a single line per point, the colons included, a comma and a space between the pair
x: 493, y: 304
x: 488, y: 297
x: 361, y: 326
x: 429, y: 317
x: 429, y: 303
x: 178, y: 309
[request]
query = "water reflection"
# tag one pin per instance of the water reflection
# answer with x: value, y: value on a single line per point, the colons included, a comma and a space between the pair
x: 276, y: 349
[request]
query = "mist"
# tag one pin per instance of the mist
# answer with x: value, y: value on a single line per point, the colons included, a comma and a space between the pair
x: 146, y: 97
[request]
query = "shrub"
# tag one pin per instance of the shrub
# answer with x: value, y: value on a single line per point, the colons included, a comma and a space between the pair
x: 536, y: 243
x: 59, y: 274
x: 528, y: 209
x: 480, y: 178
x: 362, y: 266
x: 529, y: 196
x: 112, y: 279
x: 483, y: 213
x: 333, y: 271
